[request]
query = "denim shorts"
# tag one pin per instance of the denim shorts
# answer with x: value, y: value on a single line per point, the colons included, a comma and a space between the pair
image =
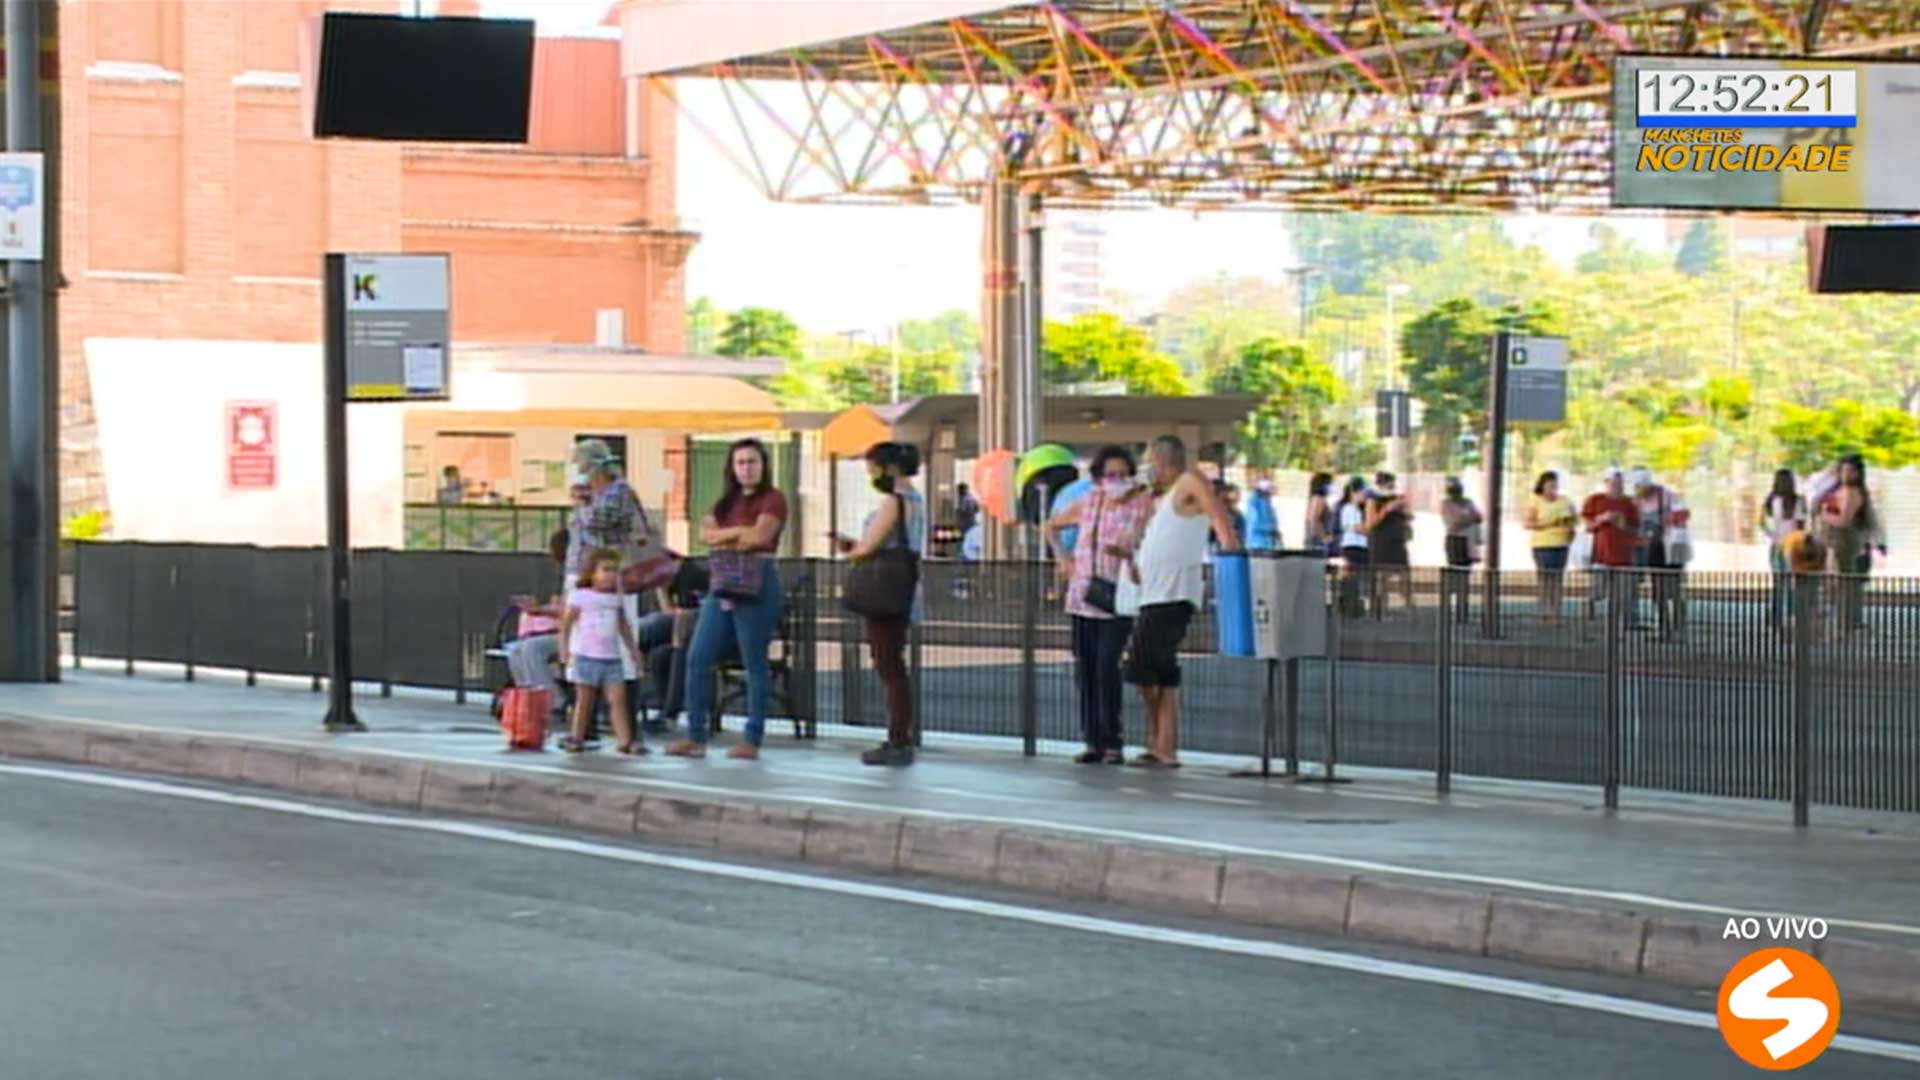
x: 595, y: 672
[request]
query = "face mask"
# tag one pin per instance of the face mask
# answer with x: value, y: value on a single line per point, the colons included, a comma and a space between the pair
x: 1115, y: 488
x: 578, y: 477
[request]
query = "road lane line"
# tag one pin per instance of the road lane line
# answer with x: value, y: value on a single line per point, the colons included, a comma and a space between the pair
x: 650, y: 779
x: 1540, y: 993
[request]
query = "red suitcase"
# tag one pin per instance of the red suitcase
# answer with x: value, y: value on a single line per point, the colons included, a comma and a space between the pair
x: 524, y: 712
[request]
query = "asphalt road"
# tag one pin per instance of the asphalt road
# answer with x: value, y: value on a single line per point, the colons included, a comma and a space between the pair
x: 154, y: 937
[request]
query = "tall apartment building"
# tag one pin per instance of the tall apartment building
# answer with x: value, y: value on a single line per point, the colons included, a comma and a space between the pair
x: 197, y: 206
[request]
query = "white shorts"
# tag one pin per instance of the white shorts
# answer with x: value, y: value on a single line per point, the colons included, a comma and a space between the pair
x: 628, y: 669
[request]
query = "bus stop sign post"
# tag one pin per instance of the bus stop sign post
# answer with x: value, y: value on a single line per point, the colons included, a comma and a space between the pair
x: 387, y: 336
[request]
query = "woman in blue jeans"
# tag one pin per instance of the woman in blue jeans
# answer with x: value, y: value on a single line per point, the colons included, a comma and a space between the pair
x: 747, y: 520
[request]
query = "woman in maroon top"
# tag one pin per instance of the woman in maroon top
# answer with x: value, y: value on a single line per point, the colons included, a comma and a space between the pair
x: 748, y: 520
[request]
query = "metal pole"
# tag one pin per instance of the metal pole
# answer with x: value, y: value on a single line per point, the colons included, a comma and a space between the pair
x: 33, y: 363
x: 1443, y: 697
x: 1267, y: 719
x: 1029, y: 677
x: 1610, y: 739
x: 339, y: 559
x: 1292, y: 703
x: 1496, y: 476
x: 1801, y: 736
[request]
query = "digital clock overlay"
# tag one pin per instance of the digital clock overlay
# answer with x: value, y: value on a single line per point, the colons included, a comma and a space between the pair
x: 1779, y: 133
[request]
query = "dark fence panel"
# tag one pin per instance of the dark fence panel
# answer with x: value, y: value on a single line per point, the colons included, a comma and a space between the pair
x: 225, y: 606
x: 103, y: 599
x: 423, y: 612
x: 289, y: 586
x: 162, y: 616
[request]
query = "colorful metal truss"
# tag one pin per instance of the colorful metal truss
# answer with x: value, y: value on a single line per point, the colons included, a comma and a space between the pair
x: 1412, y: 105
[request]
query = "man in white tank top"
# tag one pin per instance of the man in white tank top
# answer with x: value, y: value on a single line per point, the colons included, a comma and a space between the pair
x: 1168, y: 569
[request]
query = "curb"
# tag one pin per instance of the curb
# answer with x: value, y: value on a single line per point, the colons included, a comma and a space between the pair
x: 1266, y: 892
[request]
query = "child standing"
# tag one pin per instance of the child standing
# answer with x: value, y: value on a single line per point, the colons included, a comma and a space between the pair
x: 591, y: 633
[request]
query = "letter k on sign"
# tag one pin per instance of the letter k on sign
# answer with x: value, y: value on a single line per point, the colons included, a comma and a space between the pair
x: 363, y: 286
x: 1779, y: 1009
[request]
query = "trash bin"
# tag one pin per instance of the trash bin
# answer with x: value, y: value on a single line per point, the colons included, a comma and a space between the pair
x: 1289, y: 604
x: 1233, y: 604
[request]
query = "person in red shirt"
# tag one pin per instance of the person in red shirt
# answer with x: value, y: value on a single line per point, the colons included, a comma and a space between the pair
x: 1614, y: 521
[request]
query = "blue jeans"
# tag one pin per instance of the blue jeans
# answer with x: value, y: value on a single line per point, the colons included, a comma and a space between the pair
x: 748, y: 628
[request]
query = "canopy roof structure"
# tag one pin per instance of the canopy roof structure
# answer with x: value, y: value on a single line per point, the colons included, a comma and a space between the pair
x: 1393, y: 105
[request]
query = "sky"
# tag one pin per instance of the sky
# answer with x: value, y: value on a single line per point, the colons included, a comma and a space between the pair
x: 838, y: 268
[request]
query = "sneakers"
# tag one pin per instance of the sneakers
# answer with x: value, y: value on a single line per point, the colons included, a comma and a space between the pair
x: 887, y: 754
x: 1089, y: 757
x: 745, y: 751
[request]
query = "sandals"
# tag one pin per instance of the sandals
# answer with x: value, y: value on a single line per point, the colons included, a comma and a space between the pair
x: 1149, y: 760
x: 686, y: 748
x: 634, y: 749
x: 572, y: 745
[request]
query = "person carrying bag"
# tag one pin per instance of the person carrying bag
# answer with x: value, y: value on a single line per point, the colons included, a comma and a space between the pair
x: 883, y: 588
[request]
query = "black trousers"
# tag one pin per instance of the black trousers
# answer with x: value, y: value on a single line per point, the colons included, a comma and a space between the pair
x: 1098, y: 645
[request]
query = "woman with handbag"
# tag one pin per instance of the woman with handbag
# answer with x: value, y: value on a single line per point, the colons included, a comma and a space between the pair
x: 744, y: 598
x: 883, y: 586
x: 1114, y: 517
x: 607, y: 516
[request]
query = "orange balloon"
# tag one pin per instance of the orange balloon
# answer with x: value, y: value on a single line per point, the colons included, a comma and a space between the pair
x: 993, y: 484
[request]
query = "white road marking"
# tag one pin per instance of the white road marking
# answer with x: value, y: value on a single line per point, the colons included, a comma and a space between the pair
x: 1541, y: 993
x: 1224, y: 800
x: 643, y: 780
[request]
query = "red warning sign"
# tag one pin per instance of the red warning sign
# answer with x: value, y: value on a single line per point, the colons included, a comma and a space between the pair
x: 253, y: 433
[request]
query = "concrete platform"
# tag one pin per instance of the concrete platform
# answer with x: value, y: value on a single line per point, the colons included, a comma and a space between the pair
x: 1524, y: 871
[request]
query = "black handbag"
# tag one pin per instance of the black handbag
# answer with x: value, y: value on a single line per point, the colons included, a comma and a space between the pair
x: 1102, y: 594
x: 882, y: 585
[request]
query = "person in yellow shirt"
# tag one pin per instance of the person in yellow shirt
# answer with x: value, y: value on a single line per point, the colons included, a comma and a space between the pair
x: 1552, y: 520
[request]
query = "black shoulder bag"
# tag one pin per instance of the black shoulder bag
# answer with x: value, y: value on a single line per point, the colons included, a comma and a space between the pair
x: 881, y: 586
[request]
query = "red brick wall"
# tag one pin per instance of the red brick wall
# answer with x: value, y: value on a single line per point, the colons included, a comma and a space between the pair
x: 195, y: 208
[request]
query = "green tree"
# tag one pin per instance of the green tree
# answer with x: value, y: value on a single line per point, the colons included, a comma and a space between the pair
x: 1703, y: 250
x: 704, y: 321
x: 1448, y: 363
x: 757, y: 331
x: 1100, y: 347
x: 1814, y: 438
x: 1350, y: 251
x: 1205, y: 324
x: 1613, y: 252
x: 1295, y: 419
x: 956, y: 330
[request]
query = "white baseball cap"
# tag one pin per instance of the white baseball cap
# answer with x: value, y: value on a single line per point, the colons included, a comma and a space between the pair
x: 1639, y: 478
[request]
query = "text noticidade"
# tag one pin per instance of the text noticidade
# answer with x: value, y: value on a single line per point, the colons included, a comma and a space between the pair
x: 1684, y: 150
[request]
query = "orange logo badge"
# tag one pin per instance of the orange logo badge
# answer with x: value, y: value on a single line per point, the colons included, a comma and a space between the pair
x: 1779, y: 1009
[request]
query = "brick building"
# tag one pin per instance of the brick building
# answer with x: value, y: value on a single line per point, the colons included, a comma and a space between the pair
x: 197, y: 206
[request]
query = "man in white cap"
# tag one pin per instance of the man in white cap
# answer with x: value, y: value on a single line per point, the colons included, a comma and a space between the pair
x: 1663, y: 521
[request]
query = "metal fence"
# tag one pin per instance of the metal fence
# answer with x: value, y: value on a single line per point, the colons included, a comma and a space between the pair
x: 435, y: 527
x: 1731, y: 685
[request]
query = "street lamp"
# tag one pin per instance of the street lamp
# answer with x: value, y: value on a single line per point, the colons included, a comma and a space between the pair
x: 1301, y: 273
x: 1397, y: 445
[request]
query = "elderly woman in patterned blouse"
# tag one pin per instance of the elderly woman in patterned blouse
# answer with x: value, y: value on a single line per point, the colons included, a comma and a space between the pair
x: 1111, y: 518
x: 606, y: 514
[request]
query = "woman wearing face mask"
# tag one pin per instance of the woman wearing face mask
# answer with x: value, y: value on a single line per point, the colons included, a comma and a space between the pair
x: 607, y: 516
x: 900, y: 521
x: 1112, y: 520
x: 745, y: 522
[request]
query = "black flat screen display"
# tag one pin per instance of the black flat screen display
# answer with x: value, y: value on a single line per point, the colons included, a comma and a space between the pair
x: 437, y: 80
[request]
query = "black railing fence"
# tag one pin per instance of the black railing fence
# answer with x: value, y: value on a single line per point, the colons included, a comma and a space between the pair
x: 1737, y: 685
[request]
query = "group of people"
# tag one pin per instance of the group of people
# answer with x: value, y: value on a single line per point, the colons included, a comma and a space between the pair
x: 1833, y: 528
x: 593, y: 631
x: 593, y: 635
x: 1132, y: 552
